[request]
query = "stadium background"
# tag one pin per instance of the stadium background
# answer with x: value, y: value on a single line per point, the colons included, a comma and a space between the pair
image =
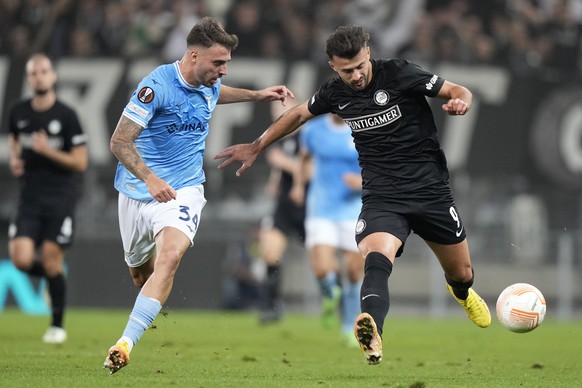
x: 515, y: 160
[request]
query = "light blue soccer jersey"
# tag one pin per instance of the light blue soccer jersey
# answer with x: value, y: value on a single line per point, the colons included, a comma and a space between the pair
x: 175, y: 118
x: 334, y: 154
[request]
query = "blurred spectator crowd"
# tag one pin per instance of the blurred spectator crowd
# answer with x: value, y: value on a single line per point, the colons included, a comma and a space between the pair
x: 539, y: 37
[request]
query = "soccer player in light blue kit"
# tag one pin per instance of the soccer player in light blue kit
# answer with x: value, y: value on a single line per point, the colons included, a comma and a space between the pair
x: 332, y: 207
x: 159, y: 142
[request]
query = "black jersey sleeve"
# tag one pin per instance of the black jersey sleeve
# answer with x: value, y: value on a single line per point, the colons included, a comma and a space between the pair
x: 320, y: 103
x: 414, y: 78
x: 74, y: 135
x: 12, y: 127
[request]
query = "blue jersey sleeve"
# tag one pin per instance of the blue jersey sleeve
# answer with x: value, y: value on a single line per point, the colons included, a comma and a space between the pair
x: 146, y: 99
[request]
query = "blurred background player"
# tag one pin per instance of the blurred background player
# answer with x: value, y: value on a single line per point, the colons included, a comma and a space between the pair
x: 287, y: 220
x: 332, y: 207
x: 47, y: 153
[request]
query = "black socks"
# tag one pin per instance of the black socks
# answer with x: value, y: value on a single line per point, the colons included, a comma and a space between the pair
x: 461, y: 290
x: 375, y: 299
x: 57, y: 290
x: 36, y: 269
x: 271, y: 286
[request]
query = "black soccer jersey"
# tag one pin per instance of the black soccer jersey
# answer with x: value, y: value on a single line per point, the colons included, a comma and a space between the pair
x: 392, y: 126
x: 42, y: 176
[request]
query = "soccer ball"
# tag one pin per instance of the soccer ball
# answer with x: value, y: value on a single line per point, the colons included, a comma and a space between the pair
x: 521, y: 307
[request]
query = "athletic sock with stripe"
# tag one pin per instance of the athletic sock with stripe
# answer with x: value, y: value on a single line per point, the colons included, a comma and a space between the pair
x: 375, y: 299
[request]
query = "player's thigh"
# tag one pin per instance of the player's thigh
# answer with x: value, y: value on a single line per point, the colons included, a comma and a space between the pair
x: 381, y: 229
x: 323, y: 259
x: 272, y: 245
x: 455, y: 259
x: 354, y: 264
x: 136, y: 235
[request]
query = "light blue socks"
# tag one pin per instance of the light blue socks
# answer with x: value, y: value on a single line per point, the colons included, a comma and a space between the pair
x: 351, y: 305
x: 143, y: 314
x: 327, y: 285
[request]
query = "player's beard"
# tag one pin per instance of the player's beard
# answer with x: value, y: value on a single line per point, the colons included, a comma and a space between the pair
x: 41, y: 92
x: 361, y: 84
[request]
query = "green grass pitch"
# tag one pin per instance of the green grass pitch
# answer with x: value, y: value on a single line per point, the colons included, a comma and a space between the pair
x: 222, y: 349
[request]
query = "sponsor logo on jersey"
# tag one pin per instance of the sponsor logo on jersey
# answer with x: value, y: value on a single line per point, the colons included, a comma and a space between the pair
x: 432, y: 82
x: 146, y: 95
x: 184, y: 127
x: 138, y: 110
x: 54, y: 142
x: 376, y: 120
x: 342, y: 106
x: 381, y: 97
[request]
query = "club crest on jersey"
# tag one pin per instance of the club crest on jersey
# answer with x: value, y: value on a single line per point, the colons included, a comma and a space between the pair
x: 54, y: 127
x: 381, y: 97
x: 146, y: 95
x: 360, y: 226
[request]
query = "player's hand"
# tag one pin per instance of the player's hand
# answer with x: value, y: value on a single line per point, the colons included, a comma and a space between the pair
x: 275, y: 93
x: 40, y: 142
x: 244, y: 153
x: 353, y: 180
x: 456, y: 107
x: 16, y: 166
x: 159, y: 189
x: 297, y: 194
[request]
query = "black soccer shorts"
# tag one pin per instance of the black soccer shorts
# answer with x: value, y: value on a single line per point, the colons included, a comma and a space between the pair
x: 430, y: 213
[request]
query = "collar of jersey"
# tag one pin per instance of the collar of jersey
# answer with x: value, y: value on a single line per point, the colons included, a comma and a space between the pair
x: 183, y: 81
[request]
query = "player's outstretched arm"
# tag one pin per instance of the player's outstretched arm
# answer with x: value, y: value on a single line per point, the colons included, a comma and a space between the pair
x: 248, y: 153
x: 459, y: 98
x: 229, y: 94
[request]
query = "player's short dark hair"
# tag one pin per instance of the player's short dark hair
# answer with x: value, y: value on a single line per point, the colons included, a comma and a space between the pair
x: 346, y: 42
x: 208, y: 32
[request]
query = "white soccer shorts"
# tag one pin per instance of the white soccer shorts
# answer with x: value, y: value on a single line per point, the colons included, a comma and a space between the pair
x: 338, y: 234
x: 141, y: 221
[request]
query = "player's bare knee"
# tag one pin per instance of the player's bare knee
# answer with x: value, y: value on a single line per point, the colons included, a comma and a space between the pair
x: 22, y: 263
x: 462, y: 275
x: 51, y: 271
x: 168, y: 262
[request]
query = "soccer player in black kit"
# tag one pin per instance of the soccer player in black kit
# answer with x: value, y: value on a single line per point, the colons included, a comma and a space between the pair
x: 47, y: 153
x: 404, y: 172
